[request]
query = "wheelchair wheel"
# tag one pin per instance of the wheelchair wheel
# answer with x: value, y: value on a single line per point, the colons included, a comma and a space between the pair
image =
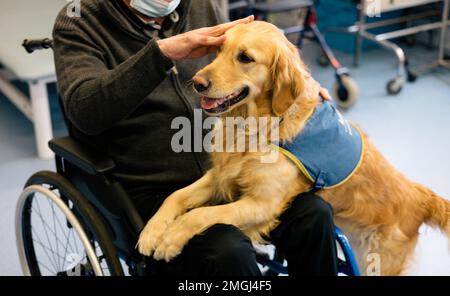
x: 59, y: 232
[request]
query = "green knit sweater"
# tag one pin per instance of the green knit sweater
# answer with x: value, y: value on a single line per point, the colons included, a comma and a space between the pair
x: 120, y: 94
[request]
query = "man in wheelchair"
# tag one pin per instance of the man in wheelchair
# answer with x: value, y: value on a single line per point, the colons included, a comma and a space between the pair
x: 123, y: 71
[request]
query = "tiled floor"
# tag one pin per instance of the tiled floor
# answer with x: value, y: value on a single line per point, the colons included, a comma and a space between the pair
x: 411, y: 129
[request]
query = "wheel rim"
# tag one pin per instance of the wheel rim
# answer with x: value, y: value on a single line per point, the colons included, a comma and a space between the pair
x: 49, y: 229
x: 343, y: 94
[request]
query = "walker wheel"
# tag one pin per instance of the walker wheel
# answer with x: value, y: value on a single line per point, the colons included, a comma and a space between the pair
x: 394, y: 86
x: 345, y: 92
x: 322, y: 60
x: 412, y: 77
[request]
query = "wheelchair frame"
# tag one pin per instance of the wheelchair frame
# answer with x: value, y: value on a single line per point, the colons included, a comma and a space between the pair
x: 86, y: 174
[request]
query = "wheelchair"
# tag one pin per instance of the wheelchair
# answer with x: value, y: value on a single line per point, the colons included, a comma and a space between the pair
x: 79, y: 221
x: 345, y: 89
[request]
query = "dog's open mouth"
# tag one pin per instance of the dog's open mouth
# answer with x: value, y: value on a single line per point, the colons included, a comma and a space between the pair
x: 219, y: 105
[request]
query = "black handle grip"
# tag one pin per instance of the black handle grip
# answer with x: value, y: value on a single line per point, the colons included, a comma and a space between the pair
x: 37, y: 44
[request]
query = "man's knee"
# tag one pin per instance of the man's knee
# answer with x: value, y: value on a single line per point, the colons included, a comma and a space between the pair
x: 227, y: 242
x: 229, y: 251
x: 311, y: 207
x: 306, y: 236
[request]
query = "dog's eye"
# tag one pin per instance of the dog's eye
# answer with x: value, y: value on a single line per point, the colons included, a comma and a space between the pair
x: 244, y: 58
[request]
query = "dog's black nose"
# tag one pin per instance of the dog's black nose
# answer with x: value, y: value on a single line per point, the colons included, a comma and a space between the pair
x: 201, y: 84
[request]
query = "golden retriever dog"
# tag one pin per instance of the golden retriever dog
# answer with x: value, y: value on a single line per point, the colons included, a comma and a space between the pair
x: 258, y: 72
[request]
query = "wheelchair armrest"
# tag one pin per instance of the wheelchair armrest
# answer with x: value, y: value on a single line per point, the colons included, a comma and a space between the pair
x: 85, y: 158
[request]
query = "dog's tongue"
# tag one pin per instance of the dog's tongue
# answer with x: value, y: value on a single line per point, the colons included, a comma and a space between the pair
x: 208, y: 103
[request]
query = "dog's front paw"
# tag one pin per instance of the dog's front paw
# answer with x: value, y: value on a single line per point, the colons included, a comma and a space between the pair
x: 167, y: 251
x: 173, y: 242
x: 151, y: 237
x: 147, y: 243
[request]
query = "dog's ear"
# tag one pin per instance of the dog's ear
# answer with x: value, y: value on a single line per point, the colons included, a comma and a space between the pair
x: 288, y: 77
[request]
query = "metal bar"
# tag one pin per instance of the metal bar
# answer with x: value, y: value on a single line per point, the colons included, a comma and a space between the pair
x: 7, y: 75
x: 395, y: 48
x: 361, y: 29
x: 326, y: 49
x: 346, y: 247
x: 408, y: 31
x: 293, y: 30
x: 444, y: 22
x: 401, y: 19
x: 42, y: 118
x: 426, y: 67
x: 398, y: 6
x: 17, y: 98
x: 383, y: 23
x: 45, y: 79
x: 237, y: 5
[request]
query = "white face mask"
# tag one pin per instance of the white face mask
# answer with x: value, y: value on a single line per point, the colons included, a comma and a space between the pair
x: 155, y: 8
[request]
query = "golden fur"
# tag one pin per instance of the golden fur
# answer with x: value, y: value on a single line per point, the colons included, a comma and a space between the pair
x: 378, y: 208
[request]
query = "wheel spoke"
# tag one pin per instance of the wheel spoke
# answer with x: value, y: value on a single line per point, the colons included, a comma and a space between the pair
x: 57, y: 238
x: 45, y: 247
x: 38, y: 210
x: 71, y: 234
x: 45, y: 251
x: 67, y: 242
x: 67, y: 245
x: 47, y: 227
x: 54, y: 228
x: 66, y: 236
x: 43, y: 265
x: 73, y: 239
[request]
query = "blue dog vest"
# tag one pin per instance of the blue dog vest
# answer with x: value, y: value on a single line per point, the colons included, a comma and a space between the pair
x: 328, y: 150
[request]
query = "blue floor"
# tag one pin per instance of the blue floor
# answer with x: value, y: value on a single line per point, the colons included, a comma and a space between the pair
x: 412, y: 129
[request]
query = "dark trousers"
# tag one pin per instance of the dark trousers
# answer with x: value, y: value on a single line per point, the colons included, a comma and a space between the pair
x: 305, y: 237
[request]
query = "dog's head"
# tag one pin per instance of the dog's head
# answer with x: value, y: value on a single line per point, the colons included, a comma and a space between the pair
x: 256, y: 64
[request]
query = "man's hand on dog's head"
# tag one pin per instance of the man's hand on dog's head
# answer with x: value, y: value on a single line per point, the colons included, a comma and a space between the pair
x: 314, y: 88
x: 198, y: 43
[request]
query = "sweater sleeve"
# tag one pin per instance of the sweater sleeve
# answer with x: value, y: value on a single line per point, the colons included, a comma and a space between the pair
x: 95, y: 98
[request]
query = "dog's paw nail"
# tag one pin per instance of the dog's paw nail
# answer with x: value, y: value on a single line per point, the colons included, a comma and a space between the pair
x: 147, y: 243
x: 166, y: 251
x: 159, y: 254
x: 171, y: 253
x: 145, y: 249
